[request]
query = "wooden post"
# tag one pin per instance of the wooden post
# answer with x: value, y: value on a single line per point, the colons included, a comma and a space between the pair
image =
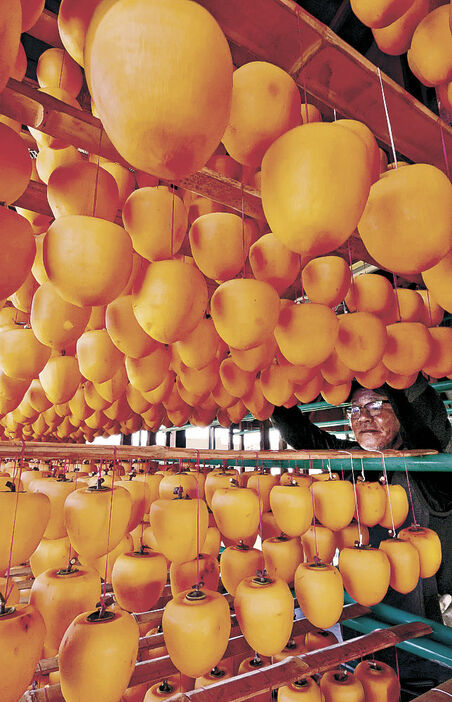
x: 265, y: 435
x: 151, y: 438
x: 231, y: 439
x: 181, y: 441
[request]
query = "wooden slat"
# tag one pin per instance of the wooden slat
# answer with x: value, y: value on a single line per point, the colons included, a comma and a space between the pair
x: 248, y: 685
x: 46, y: 29
x: 37, y: 449
x: 35, y: 199
x: 337, y: 76
x: 439, y: 694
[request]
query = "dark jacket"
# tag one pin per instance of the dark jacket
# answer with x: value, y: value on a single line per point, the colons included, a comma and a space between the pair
x: 424, y: 424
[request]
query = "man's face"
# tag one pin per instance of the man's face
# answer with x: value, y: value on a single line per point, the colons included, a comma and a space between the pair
x: 374, y: 430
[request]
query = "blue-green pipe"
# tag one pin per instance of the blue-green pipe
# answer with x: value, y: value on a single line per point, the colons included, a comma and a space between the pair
x: 440, y: 633
x: 422, y: 647
x: 440, y: 463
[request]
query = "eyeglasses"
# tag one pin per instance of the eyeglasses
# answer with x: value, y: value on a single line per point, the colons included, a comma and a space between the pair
x: 372, y: 409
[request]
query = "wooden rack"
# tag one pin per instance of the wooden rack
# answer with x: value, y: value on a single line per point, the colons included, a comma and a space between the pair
x: 154, y: 618
x: 333, y: 75
x: 246, y: 686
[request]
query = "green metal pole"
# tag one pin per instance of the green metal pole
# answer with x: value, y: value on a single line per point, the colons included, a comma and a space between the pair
x: 422, y: 647
x: 440, y: 633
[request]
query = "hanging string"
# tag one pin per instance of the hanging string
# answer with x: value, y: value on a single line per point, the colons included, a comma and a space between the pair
x: 15, y: 473
x: 362, y: 470
x: 104, y: 590
x: 314, y: 523
x: 429, y: 307
x: 360, y: 535
x: 13, y: 530
x: 301, y: 280
x: 172, y: 223
x: 396, y: 296
x: 388, y: 121
x: 61, y: 69
x: 259, y: 497
x: 334, y: 114
x: 350, y: 265
x: 394, y: 535
x: 97, y: 172
x: 415, y: 522
x: 197, y: 519
x: 242, y: 212
x: 303, y: 82
x: 446, y: 161
x: 142, y: 521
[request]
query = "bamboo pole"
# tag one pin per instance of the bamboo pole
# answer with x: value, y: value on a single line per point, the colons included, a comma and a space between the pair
x: 36, y: 449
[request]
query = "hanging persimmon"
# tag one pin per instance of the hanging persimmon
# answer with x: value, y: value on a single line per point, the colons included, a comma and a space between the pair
x: 265, y: 104
x: 181, y: 128
x: 245, y: 312
x: 15, y: 165
x: 169, y: 299
x: 315, y: 183
x: 87, y: 259
x: 156, y: 220
x: 402, y: 204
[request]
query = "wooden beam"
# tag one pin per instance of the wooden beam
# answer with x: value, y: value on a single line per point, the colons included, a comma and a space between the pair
x: 35, y: 199
x: 337, y: 76
x: 439, y: 694
x: 46, y: 29
x: 24, y: 103
x: 51, y: 450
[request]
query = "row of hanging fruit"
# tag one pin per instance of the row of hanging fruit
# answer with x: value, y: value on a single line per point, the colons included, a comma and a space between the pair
x: 177, y: 312
x: 132, y: 529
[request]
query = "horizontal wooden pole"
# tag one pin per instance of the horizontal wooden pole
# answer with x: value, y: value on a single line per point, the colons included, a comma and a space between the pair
x: 50, y: 450
x: 439, y: 694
